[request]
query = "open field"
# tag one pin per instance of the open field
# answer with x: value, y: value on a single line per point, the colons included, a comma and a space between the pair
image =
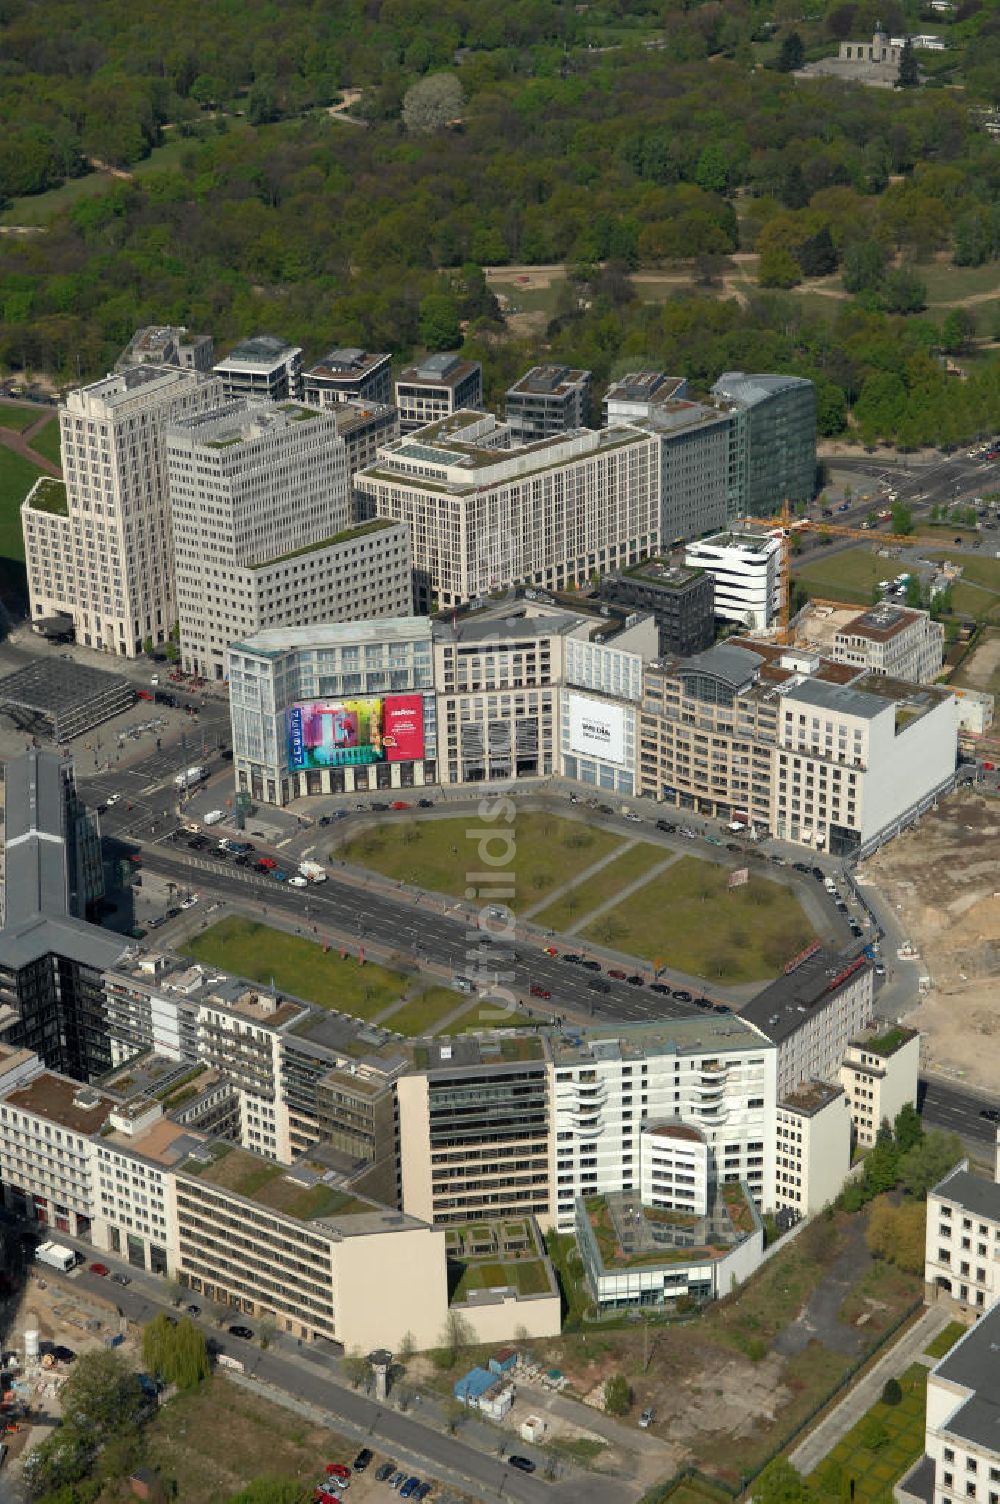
x: 46, y: 441
x: 296, y: 966
x: 877, y: 1451
x: 689, y: 919
x: 438, y: 854
x: 584, y: 897
x: 17, y: 419
x: 850, y: 574
x: 977, y: 568
x: 17, y: 476
x: 981, y: 670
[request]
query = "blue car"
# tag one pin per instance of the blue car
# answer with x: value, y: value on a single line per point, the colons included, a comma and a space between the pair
x: 278, y: 875
x: 409, y: 1488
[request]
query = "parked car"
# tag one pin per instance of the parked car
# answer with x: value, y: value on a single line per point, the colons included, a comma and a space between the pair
x: 421, y: 1491
x: 573, y: 957
x: 409, y: 1488
x: 660, y: 988
x: 324, y: 820
x: 397, y: 1480
x: 425, y: 803
x: 64, y: 1354
x: 523, y: 1464
x: 647, y: 1417
x: 267, y: 863
x: 400, y: 804
x: 682, y: 996
x: 362, y: 1460
x: 121, y: 1279
x: 298, y: 882
x: 243, y: 1332
x: 991, y: 1114
x: 193, y: 1310
x: 341, y: 1470
x: 539, y: 991
x: 591, y: 965
x: 636, y: 980
x: 618, y: 975
x: 190, y: 901
x: 101, y: 1269
x: 383, y: 1472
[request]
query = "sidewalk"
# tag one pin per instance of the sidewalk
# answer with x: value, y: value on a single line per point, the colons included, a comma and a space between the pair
x: 834, y: 1427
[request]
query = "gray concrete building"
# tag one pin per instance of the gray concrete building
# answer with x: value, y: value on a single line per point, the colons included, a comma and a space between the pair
x: 547, y: 400
x: 262, y: 367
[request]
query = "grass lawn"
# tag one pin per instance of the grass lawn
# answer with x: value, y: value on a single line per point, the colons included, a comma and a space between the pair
x: 531, y: 299
x: 977, y: 568
x: 450, y: 855
x: 528, y: 1276
x: 46, y: 442
x: 945, y: 1340
x: 689, y: 920
x: 17, y: 476
x: 298, y: 966
x: 486, y: 1015
x: 876, y: 1451
x: 425, y: 1012
x: 218, y: 1439
x: 948, y: 284
x: 849, y: 575
x: 17, y: 419
x: 586, y: 896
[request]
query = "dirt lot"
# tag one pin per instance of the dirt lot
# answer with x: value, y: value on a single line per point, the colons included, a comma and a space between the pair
x: 943, y: 879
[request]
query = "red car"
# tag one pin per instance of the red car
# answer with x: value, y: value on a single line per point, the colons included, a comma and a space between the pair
x: 268, y: 863
x: 337, y: 1470
x: 550, y: 950
x: 143, y: 694
x: 537, y: 991
x: 988, y: 767
x: 98, y: 1268
x: 619, y: 976
x: 399, y: 804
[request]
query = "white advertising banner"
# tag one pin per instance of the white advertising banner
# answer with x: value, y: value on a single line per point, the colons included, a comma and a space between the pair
x: 597, y: 729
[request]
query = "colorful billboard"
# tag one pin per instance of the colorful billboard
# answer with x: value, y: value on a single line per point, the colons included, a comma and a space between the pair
x: 354, y: 733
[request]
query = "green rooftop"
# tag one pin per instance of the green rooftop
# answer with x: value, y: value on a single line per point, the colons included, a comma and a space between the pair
x: 269, y: 1185
x: 889, y: 1042
x: 347, y: 535
x: 48, y: 495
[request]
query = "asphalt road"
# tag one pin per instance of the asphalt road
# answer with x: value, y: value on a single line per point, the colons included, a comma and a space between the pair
x: 958, y: 1109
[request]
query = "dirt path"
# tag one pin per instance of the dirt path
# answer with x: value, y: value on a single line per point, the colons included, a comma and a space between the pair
x: 16, y: 443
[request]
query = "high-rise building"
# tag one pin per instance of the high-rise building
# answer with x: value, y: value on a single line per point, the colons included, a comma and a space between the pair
x: 547, y: 400
x: 485, y: 515
x: 349, y: 375
x: 262, y: 367
x: 261, y: 530
x: 781, y: 437
x: 681, y: 600
x: 99, y: 548
x: 437, y: 387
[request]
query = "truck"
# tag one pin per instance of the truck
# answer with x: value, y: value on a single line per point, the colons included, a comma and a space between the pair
x: 190, y: 777
x: 312, y: 871
x: 58, y: 1256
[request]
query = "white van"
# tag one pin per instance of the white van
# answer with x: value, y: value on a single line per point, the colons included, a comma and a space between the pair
x: 214, y: 817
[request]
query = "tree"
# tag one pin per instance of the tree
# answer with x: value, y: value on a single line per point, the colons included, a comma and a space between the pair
x: 902, y: 518
x: 908, y: 1129
x: 929, y: 1161
x: 356, y: 1368
x: 102, y: 1395
x: 453, y: 1411
x: 777, y: 267
x: 406, y: 1347
x: 617, y: 1395
x: 176, y: 1352
x: 903, y: 291
x: 791, y: 54
x: 881, y: 1167
x: 433, y: 102
x: 439, y: 324
x: 147, y: 646
x: 780, y: 1483
x: 818, y: 254
x: 897, y: 1234
x: 59, y: 1461
x: 909, y: 70
x: 892, y: 1392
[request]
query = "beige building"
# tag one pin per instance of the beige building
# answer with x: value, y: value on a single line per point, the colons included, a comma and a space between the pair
x: 486, y: 514
x: 962, y: 1255
x: 885, y: 639
x: 879, y: 1077
x: 440, y: 385
x: 812, y: 1150
x: 99, y: 548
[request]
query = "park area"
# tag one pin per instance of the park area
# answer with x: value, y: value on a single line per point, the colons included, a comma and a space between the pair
x: 877, y: 1451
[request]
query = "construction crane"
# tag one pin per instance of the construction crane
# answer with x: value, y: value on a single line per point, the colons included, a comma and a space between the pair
x: 790, y: 525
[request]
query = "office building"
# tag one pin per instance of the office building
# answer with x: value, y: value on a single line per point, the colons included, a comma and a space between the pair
x: 635, y: 395
x: 51, y: 959
x: 962, y: 1258
x: 437, y: 387
x: 349, y: 375
x: 780, y: 453
x: 167, y: 345
x: 680, y: 600
x: 261, y: 531
x: 885, y: 639
x: 812, y: 1012
x: 858, y: 762
x: 746, y: 573
x: 485, y: 516
x: 547, y: 400
x: 99, y: 548
x: 46, y: 1156
x: 879, y: 1077
x: 812, y: 1149
x: 333, y: 708
x: 961, y: 1459
x: 364, y: 427
x: 263, y: 367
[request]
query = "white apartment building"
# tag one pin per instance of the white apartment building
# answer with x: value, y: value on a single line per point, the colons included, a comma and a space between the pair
x: 619, y: 1101
x: 439, y: 386
x: 858, y: 762
x: 885, y: 639
x: 879, y: 1077
x: 261, y: 512
x: 485, y: 516
x: 746, y: 570
x: 99, y: 548
x: 962, y: 1256
x: 812, y: 1013
x: 636, y: 394
x: 812, y: 1150
x: 46, y: 1152
x: 976, y: 709
x: 134, y: 1211
x: 264, y: 368
x: 961, y: 1461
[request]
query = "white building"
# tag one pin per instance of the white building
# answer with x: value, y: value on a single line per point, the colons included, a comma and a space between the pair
x: 879, y: 1077
x: 885, y: 639
x: 975, y: 710
x: 857, y: 763
x: 349, y: 375
x: 812, y: 1013
x: 485, y: 516
x: 264, y: 368
x: 636, y: 394
x: 746, y: 570
x: 261, y: 514
x: 46, y: 1154
x: 439, y: 386
x: 962, y: 1256
x: 812, y: 1151
x: 99, y: 548
x: 333, y: 708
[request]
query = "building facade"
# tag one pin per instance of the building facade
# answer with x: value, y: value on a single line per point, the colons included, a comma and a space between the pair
x: 547, y: 400
x: 681, y: 601
x: 264, y: 368
x: 99, y: 549
x: 485, y: 516
x: 812, y: 1151
x: 885, y: 639
x: 780, y: 451
x: 811, y: 1013
x: 167, y: 345
x: 879, y: 1076
x: 439, y: 386
x: 962, y: 1256
x: 745, y: 568
x: 349, y: 375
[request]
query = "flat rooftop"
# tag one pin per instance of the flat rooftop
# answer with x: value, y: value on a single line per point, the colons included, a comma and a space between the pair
x: 348, y: 363
x: 82, y: 1109
x: 249, y: 422
x: 788, y: 1002
x: 438, y: 370
x: 276, y: 640
x: 164, y: 1143
x: 263, y: 350
x: 548, y: 381
x: 629, y: 1234
x: 869, y: 696
x: 57, y: 685
x: 973, y: 1365
x: 644, y: 386
x: 811, y: 1097
x: 669, y: 574
x: 737, y: 541
x: 703, y: 1033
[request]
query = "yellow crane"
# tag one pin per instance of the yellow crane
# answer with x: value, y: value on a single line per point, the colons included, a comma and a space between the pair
x: 790, y: 525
